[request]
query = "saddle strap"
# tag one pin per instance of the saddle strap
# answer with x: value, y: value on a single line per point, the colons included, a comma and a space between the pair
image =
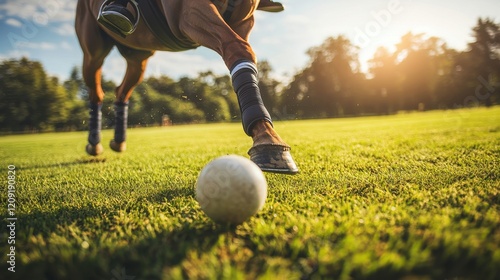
x: 158, y: 24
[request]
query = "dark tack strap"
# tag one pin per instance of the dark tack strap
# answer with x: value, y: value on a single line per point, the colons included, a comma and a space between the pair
x: 158, y: 24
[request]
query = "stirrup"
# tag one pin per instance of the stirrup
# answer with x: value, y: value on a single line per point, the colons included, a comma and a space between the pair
x: 112, y: 26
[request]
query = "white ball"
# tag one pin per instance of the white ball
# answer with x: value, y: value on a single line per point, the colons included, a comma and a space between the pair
x: 231, y: 189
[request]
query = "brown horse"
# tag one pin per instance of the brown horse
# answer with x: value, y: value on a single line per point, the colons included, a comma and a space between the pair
x: 221, y: 25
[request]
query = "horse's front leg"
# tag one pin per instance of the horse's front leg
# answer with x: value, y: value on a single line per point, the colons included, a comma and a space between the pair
x: 203, y: 23
x: 136, y: 65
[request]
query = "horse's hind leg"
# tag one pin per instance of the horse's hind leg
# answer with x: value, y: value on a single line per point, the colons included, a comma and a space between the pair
x: 92, y: 76
x: 136, y: 64
x: 95, y: 45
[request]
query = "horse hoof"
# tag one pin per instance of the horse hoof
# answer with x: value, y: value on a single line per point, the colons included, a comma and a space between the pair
x: 274, y: 158
x: 94, y: 150
x: 118, y: 147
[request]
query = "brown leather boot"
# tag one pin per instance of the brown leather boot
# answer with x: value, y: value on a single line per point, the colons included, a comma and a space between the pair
x: 270, y: 6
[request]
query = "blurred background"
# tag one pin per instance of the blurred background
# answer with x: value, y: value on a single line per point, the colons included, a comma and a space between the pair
x: 317, y: 59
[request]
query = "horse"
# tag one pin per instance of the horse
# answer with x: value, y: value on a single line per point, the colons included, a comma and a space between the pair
x: 221, y: 25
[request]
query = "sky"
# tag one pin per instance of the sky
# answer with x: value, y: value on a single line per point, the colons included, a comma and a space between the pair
x: 42, y: 30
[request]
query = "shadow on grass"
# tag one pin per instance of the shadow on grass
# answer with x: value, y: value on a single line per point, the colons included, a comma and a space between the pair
x: 62, y: 257
x: 82, y: 161
x: 152, y: 257
x: 147, y: 258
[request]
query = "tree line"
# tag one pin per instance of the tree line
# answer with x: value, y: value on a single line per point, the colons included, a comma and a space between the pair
x: 420, y: 73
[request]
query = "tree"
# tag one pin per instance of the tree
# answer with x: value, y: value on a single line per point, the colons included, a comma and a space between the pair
x: 77, y: 96
x: 223, y: 85
x: 211, y: 102
x: 31, y: 100
x: 148, y: 105
x: 332, y: 83
x: 486, y: 47
x: 268, y: 87
x: 385, y: 83
x: 421, y: 62
x: 482, y: 61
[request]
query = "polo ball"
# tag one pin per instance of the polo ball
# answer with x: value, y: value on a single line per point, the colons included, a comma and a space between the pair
x: 231, y: 189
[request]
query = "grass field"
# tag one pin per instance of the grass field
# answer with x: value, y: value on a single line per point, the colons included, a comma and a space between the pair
x: 409, y: 196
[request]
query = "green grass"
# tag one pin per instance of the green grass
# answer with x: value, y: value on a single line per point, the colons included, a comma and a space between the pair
x: 409, y: 196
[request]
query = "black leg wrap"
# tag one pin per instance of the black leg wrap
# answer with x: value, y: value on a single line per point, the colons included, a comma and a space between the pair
x: 95, y: 124
x: 121, y: 116
x: 245, y: 84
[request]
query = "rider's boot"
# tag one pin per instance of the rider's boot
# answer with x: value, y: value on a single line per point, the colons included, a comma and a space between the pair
x: 270, y: 6
x: 116, y: 17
